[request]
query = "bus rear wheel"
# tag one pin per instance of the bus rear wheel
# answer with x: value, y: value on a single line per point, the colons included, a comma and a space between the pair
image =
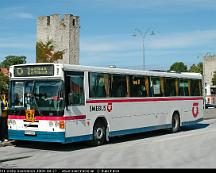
x: 175, y: 123
x: 99, y: 134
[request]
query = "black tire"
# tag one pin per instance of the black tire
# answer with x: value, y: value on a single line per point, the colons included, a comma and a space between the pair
x: 99, y: 134
x: 175, y: 123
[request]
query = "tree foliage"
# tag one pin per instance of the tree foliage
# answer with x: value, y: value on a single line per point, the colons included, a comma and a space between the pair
x: 12, y: 60
x: 4, y: 80
x: 6, y: 63
x: 197, y: 68
x: 178, y: 67
x: 45, y: 52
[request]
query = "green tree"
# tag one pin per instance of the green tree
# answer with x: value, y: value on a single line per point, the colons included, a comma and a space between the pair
x: 197, y: 68
x: 178, y: 67
x: 12, y: 60
x: 214, y: 78
x: 4, y: 80
x: 45, y: 52
x: 6, y: 63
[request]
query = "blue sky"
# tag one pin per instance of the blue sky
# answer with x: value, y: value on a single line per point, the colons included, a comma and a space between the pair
x: 185, y: 30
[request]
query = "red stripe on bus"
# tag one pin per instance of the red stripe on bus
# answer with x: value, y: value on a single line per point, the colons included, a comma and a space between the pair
x: 19, y: 117
x: 143, y: 100
x: 78, y: 117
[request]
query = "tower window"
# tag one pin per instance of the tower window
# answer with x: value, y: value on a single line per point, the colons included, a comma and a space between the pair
x: 74, y: 22
x: 48, y: 20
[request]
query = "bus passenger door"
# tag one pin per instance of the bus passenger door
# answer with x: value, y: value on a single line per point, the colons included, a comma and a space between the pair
x: 75, y: 104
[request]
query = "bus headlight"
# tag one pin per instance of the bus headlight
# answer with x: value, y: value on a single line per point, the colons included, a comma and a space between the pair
x: 57, y: 124
x: 11, y: 122
x: 51, y: 123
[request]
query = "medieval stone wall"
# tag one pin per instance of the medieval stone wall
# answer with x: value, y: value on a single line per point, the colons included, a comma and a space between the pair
x: 209, y: 68
x: 64, y: 32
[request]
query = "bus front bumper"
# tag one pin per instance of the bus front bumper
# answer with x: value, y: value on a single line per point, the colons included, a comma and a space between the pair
x: 23, y: 135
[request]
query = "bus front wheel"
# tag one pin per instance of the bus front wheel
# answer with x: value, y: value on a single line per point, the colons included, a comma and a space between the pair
x: 175, y: 123
x: 99, y: 134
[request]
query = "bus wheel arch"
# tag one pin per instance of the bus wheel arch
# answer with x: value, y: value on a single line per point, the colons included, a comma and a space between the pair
x: 100, y: 131
x: 175, y: 122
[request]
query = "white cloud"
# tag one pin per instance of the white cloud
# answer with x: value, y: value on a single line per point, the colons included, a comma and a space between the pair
x: 16, y: 45
x: 121, y: 51
x: 153, y: 4
x: 173, y: 3
x: 184, y: 40
x: 106, y: 44
x: 23, y: 45
x: 125, y: 50
x: 14, y: 13
x: 22, y: 15
x: 16, y: 42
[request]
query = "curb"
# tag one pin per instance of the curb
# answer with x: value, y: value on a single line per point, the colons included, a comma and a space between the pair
x: 4, y: 144
x: 209, y: 118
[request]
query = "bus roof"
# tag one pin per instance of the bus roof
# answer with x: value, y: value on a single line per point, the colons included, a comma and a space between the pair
x: 68, y: 67
x: 132, y: 72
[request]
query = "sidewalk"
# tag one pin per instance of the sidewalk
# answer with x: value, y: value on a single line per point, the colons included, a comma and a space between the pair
x: 6, y: 143
x: 209, y: 114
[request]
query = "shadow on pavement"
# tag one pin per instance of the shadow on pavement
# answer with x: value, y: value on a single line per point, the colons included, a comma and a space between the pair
x: 154, y: 133
x: 194, y: 127
x: 51, y: 145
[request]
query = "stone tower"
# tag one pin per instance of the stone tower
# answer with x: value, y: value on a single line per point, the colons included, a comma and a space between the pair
x: 64, y: 32
x: 209, y: 67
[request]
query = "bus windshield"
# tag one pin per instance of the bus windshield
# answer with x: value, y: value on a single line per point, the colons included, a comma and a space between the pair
x: 45, y: 97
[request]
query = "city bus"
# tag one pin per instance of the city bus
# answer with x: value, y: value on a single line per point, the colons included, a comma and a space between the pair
x: 69, y: 103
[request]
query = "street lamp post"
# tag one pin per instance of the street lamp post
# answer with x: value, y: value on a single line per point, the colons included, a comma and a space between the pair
x: 143, y: 36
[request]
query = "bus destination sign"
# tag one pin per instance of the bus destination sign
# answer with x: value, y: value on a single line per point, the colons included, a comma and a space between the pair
x: 36, y: 70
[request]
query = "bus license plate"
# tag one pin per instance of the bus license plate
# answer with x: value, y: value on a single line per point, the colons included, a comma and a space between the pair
x: 31, y: 133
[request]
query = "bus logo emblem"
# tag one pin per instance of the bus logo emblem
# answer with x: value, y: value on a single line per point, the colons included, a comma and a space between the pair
x: 30, y: 115
x: 195, y: 109
x: 109, y: 107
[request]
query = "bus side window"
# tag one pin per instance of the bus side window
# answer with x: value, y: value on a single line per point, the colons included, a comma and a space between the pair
x: 99, y: 84
x: 139, y: 86
x: 157, y: 86
x: 118, y: 85
x: 195, y: 87
x: 183, y: 87
x: 75, y: 90
x: 170, y: 86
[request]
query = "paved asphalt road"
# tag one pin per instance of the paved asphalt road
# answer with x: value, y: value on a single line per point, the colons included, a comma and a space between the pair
x: 209, y: 113
x: 192, y: 147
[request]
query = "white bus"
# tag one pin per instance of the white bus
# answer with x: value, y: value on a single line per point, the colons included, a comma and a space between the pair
x: 69, y: 103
